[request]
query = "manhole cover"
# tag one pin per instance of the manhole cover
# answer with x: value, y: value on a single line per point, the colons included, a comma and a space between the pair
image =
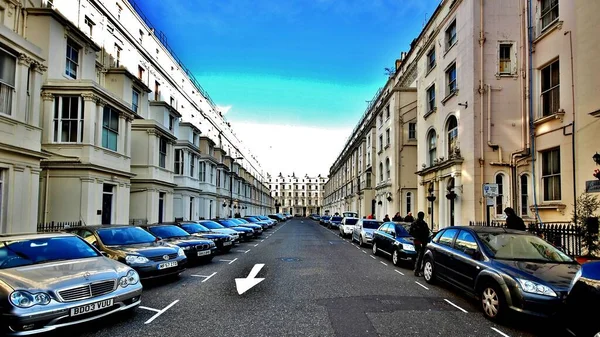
x: 290, y: 259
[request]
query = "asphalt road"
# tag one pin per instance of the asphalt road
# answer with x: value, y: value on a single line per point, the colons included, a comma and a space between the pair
x: 316, y: 284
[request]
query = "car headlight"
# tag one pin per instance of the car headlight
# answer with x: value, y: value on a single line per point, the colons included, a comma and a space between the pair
x: 25, y: 299
x: 180, y: 252
x: 408, y: 247
x: 369, y: 235
x: 536, y: 288
x: 575, y: 279
x: 211, y: 244
x: 136, y: 259
x: 186, y: 248
x: 132, y: 277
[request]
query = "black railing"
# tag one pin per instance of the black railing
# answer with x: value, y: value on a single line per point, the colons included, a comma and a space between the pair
x: 565, y: 235
x: 57, y: 226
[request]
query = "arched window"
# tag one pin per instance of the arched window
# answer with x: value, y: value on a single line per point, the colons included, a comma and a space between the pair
x: 387, y: 167
x: 500, y: 197
x: 431, y: 147
x: 452, y: 130
x: 380, y: 171
x: 524, y: 193
x: 408, y: 202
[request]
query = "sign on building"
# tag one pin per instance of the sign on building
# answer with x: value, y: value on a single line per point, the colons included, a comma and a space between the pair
x: 592, y: 186
x: 490, y: 190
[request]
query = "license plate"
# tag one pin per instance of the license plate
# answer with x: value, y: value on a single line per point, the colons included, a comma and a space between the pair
x: 204, y: 252
x: 84, y: 309
x: 228, y: 243
x: 167, y: 265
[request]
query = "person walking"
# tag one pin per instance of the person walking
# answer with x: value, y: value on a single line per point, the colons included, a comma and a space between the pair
x: 386, y: 218
x: 409, y: 218
x: 419, y: 230
x: 370, y: 216
x: 397, y: 217
x: 513, y: 221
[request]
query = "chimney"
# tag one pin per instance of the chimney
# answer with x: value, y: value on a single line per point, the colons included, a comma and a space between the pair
x: 398, y: 63
x: 402, y: 55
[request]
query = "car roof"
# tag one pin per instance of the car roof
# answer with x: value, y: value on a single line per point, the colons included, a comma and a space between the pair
x: 490, y: 229
x: 29, y: 236
x: 95, y: 227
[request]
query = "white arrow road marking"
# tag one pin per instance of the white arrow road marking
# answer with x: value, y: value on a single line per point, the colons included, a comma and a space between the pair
x: 160, y: 312
x: 245, y: 284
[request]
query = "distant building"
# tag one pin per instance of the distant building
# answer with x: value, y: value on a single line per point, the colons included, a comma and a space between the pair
x: 297, y: 194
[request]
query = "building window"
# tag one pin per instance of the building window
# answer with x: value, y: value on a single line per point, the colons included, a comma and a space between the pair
x: 432, y: 147
x: 212, y: 174
x: 431, y: 98
x: 141, y: 36
x: 500, y: 196
x: 388, y: 168
x: 380, y: 143
x: 117, y: 55
x: 408, y: 202
x: 89, y: 24
x: 140, y: 73
x: 524, y: 187
x: 451, y: 79
x: 191, y: 208
x: 505, y: 51
x: 380, y: 171
x: 68, y: 119
x: 7, y: 81
x: 412, y: 131
x: 551, y: 174
x: 550, y: 99
x: 387, y: 111
x: 387, y: 137
x: 178, y: 161
x: 431, y: 59
x: 171, y: 122
x: 452, y: 129
x: 192, y: 164
x: 135, y: 100
x: 162, y: 152
x: 381, y: 119
x: 549, y: 12
x: 451, y: 35
x: 172, y: 102
x: 202, y: 171
x: 156, y: 91
x: 110, y: 128
x: 72, y: 59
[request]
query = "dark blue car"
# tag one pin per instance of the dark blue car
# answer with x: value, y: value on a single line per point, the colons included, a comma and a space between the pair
x: 335, y: 221
x: 392, y: 239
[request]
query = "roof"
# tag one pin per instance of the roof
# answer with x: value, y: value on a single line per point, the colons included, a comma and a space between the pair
x: 29, y: 236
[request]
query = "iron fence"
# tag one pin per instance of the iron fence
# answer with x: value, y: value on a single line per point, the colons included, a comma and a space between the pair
x: 565, y: 235
x: 56, y: 226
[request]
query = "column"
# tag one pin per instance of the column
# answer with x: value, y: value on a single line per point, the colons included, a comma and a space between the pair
x: 443, y: 205
x: 458, y: 220
x: 89, y: 106
x: 36, y: 86
x: 122, y: 136
x: 47, y: 117
x: 20, y: 106
x: 128, y: 137
x: 98, y: 127
x: 34, y: 195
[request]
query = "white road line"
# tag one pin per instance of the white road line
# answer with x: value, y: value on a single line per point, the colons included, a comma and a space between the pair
x: 161, y: 312
x: 500, y: 332
x: 357, y: 247
x: 262, y: 240
x: 456, y: 306
x: 383, y: 263
x: 232, y: 261
x: 364, y: 251
x: 225, y: 260
x: 417, y: 282
x: 246, y: 252
x: 151, y: 309
x: 208, y: 277
x: 256, y: 245
x: 373, y: 257
x: 240, y: 251
x: 399, y: 272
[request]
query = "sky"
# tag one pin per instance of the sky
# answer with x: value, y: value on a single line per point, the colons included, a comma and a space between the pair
x: 292, y: 76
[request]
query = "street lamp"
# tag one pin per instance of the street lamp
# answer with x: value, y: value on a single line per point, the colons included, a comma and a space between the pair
x: 231, y: 185
x: 431, y: 199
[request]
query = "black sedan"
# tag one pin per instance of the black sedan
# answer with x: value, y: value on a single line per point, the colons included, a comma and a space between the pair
x: 324, y: 219
x: 246, y: 234
x: 392, y: 239
x: 335, y: 221
x: 224, y: 242
x: 582, y: 302
x: 506, y: 269
x: 257, y: 229
x: 195, y: 248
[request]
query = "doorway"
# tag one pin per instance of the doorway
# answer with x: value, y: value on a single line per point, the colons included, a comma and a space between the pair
x: 373, y: 203
x: 107, y: 203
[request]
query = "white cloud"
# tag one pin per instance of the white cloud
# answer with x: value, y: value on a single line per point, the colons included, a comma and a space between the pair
x: 289, y: 148
x: 224, y: 109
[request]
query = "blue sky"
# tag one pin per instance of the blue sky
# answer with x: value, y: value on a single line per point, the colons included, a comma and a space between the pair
x: 290, y: 62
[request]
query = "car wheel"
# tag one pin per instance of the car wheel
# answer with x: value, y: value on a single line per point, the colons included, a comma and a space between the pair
x: 360, y: 241
x: 429, y: 271
x: 374, y: 248
x: 492, y: 301
x: 329, y: 226
x: 395, y: 258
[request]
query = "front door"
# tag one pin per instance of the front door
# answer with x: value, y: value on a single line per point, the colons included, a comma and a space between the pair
x: 107, y: 202
x: 303, y: 211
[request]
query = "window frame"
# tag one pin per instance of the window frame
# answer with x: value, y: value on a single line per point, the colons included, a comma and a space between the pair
x: 451, y: 39
x: 451, y: 83
x: 502, y: 61
x: 387, y: 137
x: 73, y: 47
x: 162, y: 154
x: 553, y: 175
x: 179, y: 162
x: 549, y: 91
x: 388, y: 168
x: 108, y: 129
x: 451, y: 135
x: 408, y: 202
x: 431, y: 147
x: 412, y: 134
x: 58, y: 120
x: 549, y: 10
x: 431, y: 62
x: 524, y: 194
x: 135, y: 100
x: 500, y: 180
x: 430, y: 92
x: 6, y: 103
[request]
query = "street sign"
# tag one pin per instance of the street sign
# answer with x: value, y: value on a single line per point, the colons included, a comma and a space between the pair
x: 490, y: 201
x: 490, y: 190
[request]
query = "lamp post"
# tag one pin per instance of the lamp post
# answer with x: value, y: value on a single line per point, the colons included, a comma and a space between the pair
x: 451, y: 195
x: 231, y: 185
x: 431, y: 199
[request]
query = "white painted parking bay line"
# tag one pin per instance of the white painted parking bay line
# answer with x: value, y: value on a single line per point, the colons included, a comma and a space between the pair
x: 262, y: 240
x: 500, y: 332
x: 456, y: 306
x: 417, y: 282
x: 364, y: 251
x: 399, y: 272
x: 226, y: 260
x: 206, y: 278
x: 232, y: 261
x: 151, y: 309
x: 373, y: 257
x: 383, y: 263
x: 161, y: 312
x: 246, y: 252
x: 256, y: 245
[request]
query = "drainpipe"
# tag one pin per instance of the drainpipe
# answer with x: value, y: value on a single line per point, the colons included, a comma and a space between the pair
x: 573, y: 125
x: 489, y: 123
x: 481, y: 92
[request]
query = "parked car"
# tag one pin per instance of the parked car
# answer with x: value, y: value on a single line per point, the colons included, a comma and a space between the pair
x: 393, y: 239
x: 507, y: 269
x: 131, y: 245
x: 324, y: 220
x: 257, y: 229
x: 224, y: 242
x: 71, y: 283
x: 278, y: 217
x: 195, y: 248
x: 215, y: 227
x: 246, y: 234
x: 263, y: 223
x: 363, y: 231
x: 264, y: 218
x: 315, y: 217
x: 347, y: 226
x: 287, y: 215
x: 582, y: 301
x: 335, y: 221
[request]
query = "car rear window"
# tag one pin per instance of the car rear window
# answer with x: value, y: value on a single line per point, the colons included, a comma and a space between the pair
x: 351, y: 221
x: 336, y: 218
x: 371, y: 224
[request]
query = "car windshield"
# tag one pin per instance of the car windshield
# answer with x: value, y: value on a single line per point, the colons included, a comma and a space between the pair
x: 41, y: 250
x: 522, y: 247
x: 244, y: 221
x: 211, y: 225
x: 194, y: 228
x: 251, y: 220
x: 402, y: 230
x: 351, y: 221
x: 262, y: 217
x: 336, y: 218
x: 124, y: 236
x: 167, y: 231
x: 371, y: 224
x: 227, y: 223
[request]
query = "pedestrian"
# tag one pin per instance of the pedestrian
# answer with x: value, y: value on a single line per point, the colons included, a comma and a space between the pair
x: 419, y: 230
x: 409, y: 218
x: 397, y: 217
x: 386, y: 218
x: 513, y: 221
x: 370, y: 216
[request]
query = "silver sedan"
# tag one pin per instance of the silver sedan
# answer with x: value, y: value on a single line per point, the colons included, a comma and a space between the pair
x: 48, y: 281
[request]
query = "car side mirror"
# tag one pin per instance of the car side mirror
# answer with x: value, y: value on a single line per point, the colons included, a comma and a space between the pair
x: 393, y: 234
x: 474, y: 253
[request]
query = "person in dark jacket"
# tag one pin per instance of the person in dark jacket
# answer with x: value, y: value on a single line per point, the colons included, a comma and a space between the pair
x: 419, y: 230
x: 386, y: 218
x: 513, y: 221
x: 409, y: 218
x: 397, y: 217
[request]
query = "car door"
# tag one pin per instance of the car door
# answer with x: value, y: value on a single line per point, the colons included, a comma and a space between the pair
x: 466, y: 264
x: 442, y: 252
x: 389, y: 238
x: 379, y: 236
